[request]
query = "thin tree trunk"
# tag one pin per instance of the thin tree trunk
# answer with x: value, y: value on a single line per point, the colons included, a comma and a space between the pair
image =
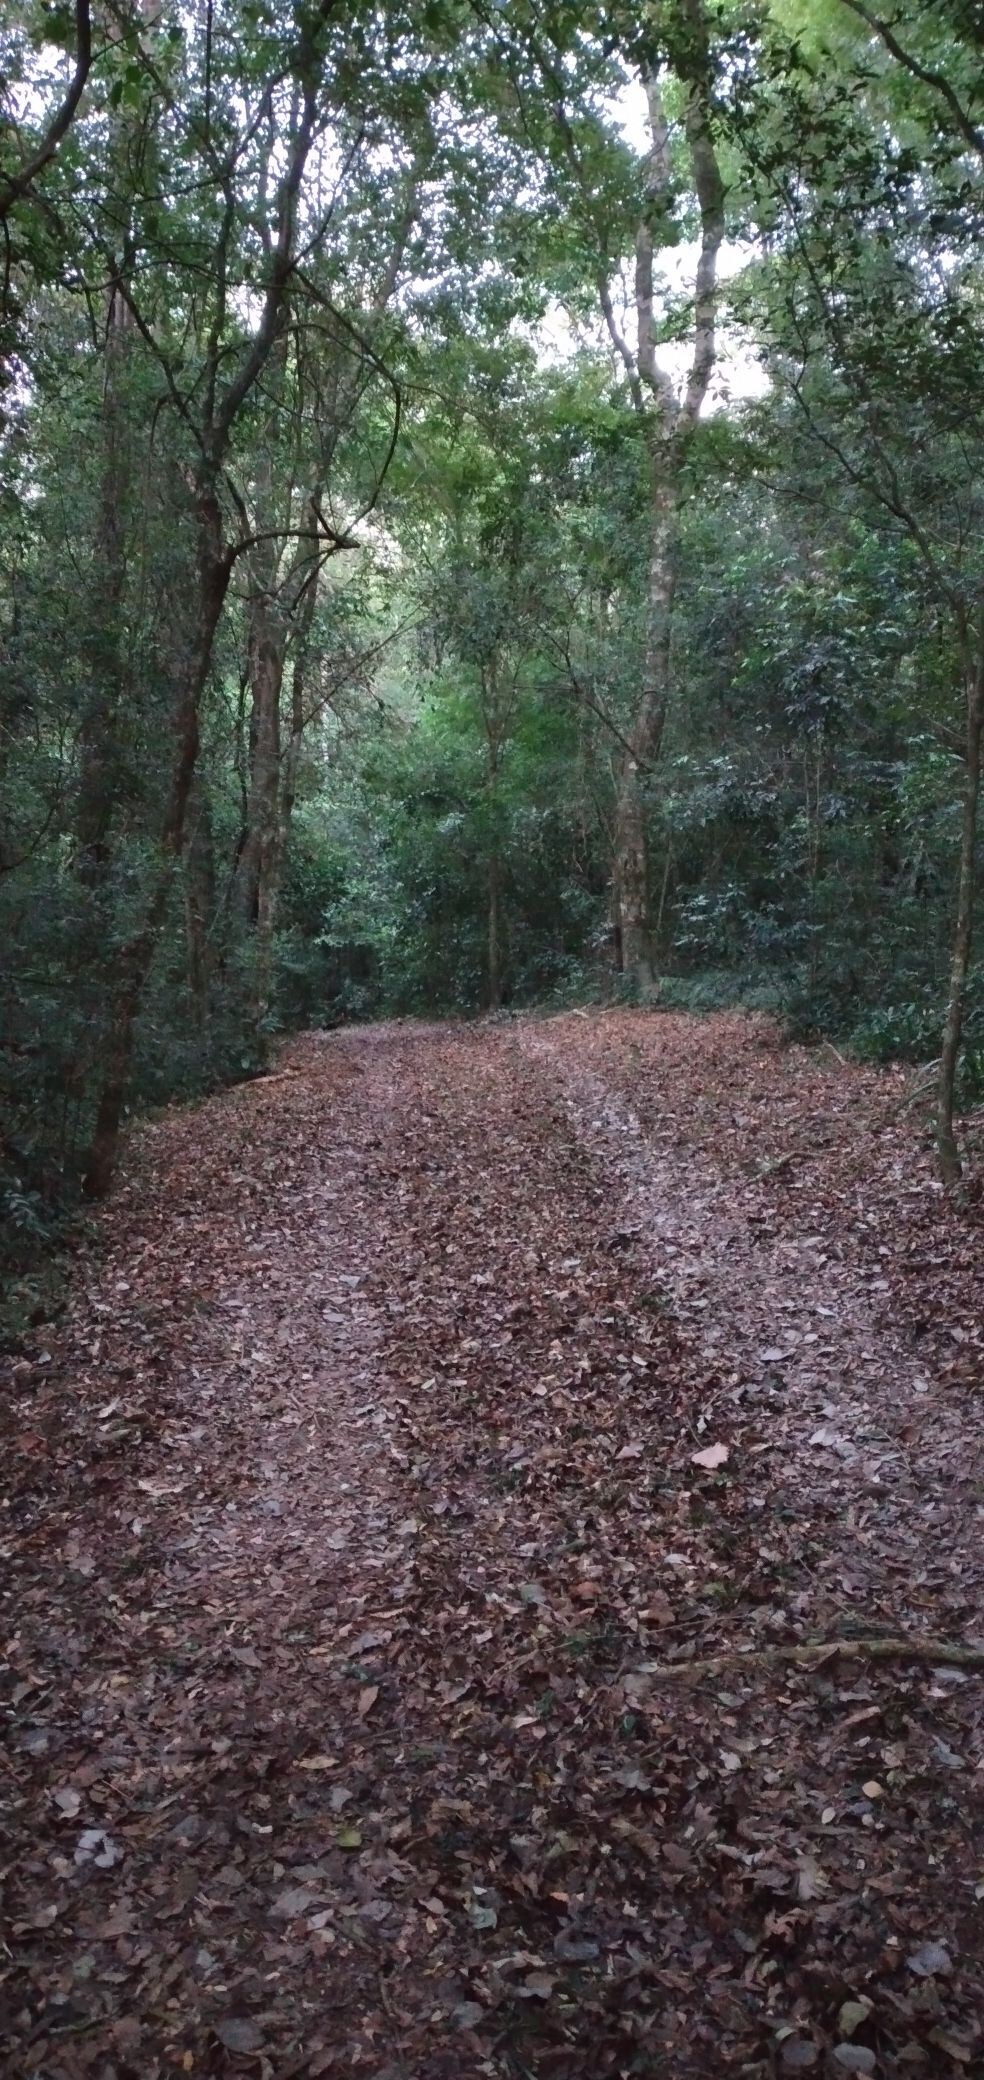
x: 221, y: 404
x: 271, y: 880
x: 645, y: 739
x: 283, y: 794
x: 947, y: 1150
x: 133, y: 965
x: 670, y: 421
x: 266, y: 672
x: 664, y: 891
x: 200, y: 908
x: 494, y: 935
x: 496, y: 706
x: 98, y: 739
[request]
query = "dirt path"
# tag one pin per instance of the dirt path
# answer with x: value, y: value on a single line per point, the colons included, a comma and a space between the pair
x: 819, y: 1375
x: 355, y: 1515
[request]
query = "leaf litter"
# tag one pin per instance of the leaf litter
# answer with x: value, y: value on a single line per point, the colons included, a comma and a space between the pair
x: 409, y: 1515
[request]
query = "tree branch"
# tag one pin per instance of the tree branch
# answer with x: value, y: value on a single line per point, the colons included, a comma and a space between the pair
x: 17, y: 184
x: 925, y: 73
x: 937, y: 1652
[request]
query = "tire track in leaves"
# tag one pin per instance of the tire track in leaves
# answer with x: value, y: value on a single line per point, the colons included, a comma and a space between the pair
x: 352, y: 1756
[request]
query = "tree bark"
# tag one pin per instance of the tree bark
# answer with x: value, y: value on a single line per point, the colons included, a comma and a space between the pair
x: 948, y: 1153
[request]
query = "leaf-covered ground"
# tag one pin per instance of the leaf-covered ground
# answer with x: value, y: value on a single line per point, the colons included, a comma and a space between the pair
x: 424, y: 1409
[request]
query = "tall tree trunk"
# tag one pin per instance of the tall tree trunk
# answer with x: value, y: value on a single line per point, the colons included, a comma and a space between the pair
x: 266, y: 673
x: 274, y: 769
x: 495, y: 934
x: 101, y: 766
x: 133, y: 965
x: 226, y: 383
x: 200, y: 907
x: 669, y: 420
x: 631, y: 863
x: 497, y: 703
x: 98, y: 740
x: 946, y: 1141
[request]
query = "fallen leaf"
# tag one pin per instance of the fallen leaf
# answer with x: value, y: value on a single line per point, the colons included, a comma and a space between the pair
x: 295, y: 1900
x: 538, y: 1986
x: 367, y: 1698
x: 239, y: 2033
x: 798, y: 2055
x: 851, y: 2016
x: 811, y: 1882
x: 97, y: 1847
x: 713, y: 1455
x: 572, y: 1948
x: 954, y: 2047
x: 41, y: 1918
x: 931, y: 1961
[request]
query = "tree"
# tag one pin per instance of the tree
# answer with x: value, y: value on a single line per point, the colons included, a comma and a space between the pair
x: 672, y: 54
x: 872, y: 299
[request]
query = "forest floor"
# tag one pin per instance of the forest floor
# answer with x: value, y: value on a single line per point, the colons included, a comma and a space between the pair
x: 423, y: 1410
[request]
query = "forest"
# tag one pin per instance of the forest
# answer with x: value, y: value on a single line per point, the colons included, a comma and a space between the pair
x: 491, y: 1037
x: 490, y: 515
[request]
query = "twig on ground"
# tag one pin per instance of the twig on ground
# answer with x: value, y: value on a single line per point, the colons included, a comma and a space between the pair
x: 937, y: 1652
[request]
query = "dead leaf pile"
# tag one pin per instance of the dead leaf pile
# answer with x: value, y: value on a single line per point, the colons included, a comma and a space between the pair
x: 421, y: 1407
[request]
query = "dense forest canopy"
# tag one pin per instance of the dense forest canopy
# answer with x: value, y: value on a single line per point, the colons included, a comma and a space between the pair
x: 490, y: 511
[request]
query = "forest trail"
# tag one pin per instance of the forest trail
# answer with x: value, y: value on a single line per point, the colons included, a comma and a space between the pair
x: 357, y: 1510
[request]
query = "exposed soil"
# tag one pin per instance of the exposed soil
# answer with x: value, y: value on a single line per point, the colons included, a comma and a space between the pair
x: 422, y: 1412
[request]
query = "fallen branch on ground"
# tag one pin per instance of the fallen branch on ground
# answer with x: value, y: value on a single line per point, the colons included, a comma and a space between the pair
x: 939, y: 1653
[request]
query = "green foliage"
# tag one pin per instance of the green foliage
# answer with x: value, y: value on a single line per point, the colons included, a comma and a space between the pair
x: 433, y: 490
